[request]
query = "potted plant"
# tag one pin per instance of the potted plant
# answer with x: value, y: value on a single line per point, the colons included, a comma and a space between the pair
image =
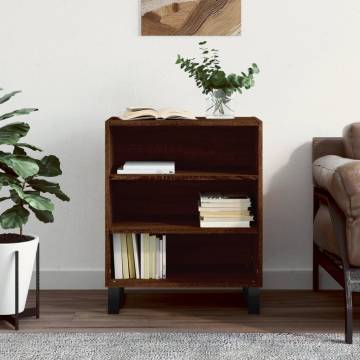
x: 213, y: 81
x: 23, y: 177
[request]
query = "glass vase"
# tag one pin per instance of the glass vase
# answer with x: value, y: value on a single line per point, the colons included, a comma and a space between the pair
x: 218, y: 105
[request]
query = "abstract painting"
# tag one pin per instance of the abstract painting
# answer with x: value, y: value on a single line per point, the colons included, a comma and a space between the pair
x: 190, y: 17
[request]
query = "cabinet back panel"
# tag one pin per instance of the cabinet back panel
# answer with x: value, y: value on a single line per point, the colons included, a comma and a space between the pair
x: 201, y: 149
x: 211, y: 253
x: 169, y: 201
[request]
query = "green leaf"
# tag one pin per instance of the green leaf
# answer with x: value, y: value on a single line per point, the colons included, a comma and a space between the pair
x: 19, y: 151
x: 218, y: 79
x: 8, y: 96
x: 4, y: 198
x: 14, y: 217
x: 24, y: 111
x: 22, y: 165
x: 31, y: 147
x: 255, y: 68
x: 6, y: 179
x: 14, y: 196
x: 49, y: 166
x: 10, y: 134
x: 202, y: 42
x: 39, y: 202
x: 43, y: 216
x: 48, y: 187
x: 233, y: 80
x: 18, y: 190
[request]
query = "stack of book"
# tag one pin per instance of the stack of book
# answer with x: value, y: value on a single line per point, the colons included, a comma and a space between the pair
x: 139, y: 256
x: 147, y: 167
x: 224, y: 211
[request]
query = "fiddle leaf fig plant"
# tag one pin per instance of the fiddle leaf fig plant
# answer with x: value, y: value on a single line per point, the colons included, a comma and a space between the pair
x: 23, y: 175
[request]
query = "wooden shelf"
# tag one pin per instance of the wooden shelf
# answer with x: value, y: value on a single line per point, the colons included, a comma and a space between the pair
x: 174, y: 228
x: 191, y: 281
x: 201, y: 121
x: 186, y: 175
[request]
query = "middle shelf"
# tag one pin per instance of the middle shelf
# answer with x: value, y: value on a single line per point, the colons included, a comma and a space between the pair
x: 174, y: 228
x: 185, y: 175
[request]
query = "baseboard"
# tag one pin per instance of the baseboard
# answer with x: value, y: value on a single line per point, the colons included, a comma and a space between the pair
x: 94, y: 279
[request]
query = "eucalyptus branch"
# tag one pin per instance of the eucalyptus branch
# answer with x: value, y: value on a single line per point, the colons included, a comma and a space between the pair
x: 209, y: 76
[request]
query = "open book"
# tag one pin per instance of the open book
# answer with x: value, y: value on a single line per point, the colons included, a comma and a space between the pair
x: 150, y: 113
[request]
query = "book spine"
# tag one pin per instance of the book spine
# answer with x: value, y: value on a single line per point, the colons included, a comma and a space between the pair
x: 124, y: 254
x: 153, y: 257
x: 164, y: 257
x: 136, y: 256
x: 144, y: 171
x: 161, y: 257
x: 157, y: 257
x: 130, y: 253
x: 228, y: 224
x: 118, y: 273
x: 146, y: 256
x: 142, y: 255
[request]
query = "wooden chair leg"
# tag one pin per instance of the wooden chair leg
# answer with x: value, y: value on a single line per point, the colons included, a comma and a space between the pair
x: 348, y: 310
x: 315, y: 269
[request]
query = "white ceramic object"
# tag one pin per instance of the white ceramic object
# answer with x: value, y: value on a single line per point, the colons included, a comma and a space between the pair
x: 27, y: 255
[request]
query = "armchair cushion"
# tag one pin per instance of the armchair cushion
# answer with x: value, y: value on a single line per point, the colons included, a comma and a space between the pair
x: 341, y: 178
x: 351, y: 136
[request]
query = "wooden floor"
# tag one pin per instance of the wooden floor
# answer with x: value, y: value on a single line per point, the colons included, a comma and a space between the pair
x: 282, y: 311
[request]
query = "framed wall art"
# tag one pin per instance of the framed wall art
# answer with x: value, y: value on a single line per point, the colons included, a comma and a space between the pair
x: 190, y: 17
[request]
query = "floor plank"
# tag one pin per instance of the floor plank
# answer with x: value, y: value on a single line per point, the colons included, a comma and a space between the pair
x: 282, y: 311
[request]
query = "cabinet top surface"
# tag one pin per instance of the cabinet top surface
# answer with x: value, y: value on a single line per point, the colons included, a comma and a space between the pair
x: 238, y: 121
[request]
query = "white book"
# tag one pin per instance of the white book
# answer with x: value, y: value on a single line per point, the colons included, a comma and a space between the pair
x: 165, y: 165
x: 218, y: 197
x: 223, y: 206
x: 161, y: 257
x: 226, y: 210
x: 118, y: 271
x: 144, y: 256
x: 158, y: 275
x: 164, y: 257
x: 224, y: 224
x: 136, y: 256
x: 224, y: 219
x: 124, y: 255
x: 142, y: 113
x: 152, y: 257
x: 144, y: 171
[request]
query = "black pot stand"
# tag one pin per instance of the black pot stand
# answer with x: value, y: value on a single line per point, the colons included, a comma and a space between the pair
x: 34, y: 311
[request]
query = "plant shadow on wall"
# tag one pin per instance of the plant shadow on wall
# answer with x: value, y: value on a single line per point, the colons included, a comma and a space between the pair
x: 288, y: 216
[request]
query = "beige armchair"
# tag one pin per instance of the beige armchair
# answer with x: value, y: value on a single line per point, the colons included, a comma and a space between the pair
x: 336, y: 174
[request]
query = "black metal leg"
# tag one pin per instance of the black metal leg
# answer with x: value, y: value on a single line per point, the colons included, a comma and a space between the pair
x: 38, y: 282
x: 252, y: 298
x: 348, y: 310
x: 16, y: 290
x: 35, y: 311
x: 116, y: 298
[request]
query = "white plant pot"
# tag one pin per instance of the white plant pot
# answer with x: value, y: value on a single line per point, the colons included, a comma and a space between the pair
x: 27, y: 253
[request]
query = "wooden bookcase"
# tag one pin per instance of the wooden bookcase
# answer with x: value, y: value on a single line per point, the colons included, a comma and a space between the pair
x: 210, y: 156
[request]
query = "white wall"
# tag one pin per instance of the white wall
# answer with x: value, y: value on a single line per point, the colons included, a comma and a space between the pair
x: 82, y: 61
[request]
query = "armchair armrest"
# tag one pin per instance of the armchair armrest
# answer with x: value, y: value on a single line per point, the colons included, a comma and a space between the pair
x: 341, y: 178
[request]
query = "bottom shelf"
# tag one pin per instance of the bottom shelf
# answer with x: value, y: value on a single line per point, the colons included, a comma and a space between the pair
x: 175, y: 282
x: 231, y: 276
